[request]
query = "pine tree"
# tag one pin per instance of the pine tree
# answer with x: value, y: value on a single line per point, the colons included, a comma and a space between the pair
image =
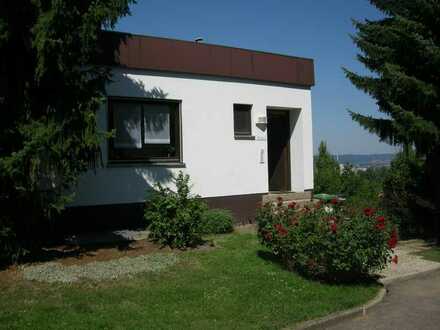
x: 402, y: 50
x: 51, y: 87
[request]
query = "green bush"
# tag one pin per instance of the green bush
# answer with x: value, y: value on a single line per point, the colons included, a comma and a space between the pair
x: 175, y: 218
x: 327, y: 242
x: 217, y: 221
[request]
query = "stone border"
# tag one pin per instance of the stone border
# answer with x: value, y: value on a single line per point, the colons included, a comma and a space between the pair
x: 339, y: 316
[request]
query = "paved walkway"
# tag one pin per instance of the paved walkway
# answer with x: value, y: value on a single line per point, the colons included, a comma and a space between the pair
x: 409, y: 305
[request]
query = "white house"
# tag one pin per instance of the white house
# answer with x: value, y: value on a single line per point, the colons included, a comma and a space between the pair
x: 238, y: 121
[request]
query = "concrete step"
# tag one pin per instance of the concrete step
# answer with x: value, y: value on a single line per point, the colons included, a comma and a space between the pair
x: 287, y: 196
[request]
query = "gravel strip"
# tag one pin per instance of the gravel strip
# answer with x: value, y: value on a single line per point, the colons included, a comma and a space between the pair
x: 409, y: 262
x: 54, y: 272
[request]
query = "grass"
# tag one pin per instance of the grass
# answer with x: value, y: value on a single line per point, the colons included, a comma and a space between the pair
x: 238, y: 285
x: 432, y: 254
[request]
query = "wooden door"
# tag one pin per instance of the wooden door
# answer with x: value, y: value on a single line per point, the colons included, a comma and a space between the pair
x: 278, y: 153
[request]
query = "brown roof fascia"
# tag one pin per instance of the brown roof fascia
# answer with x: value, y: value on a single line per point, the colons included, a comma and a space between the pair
x: 178, y: 56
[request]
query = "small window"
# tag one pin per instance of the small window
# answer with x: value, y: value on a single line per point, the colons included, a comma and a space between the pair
x: 242, y: 120
x: 144, y: 131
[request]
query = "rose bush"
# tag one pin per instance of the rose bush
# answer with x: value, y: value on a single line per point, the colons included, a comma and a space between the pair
x: 327, y: 241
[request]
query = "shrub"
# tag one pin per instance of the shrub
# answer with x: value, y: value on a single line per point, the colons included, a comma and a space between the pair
x: 331, y: 242
x: 175, y: 218
x: 217, y: 221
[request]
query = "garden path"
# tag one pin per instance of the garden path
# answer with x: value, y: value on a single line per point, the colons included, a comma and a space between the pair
x: 410, y: 304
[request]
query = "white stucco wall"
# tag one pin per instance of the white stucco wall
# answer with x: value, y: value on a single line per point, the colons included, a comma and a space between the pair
x: 218, y: 164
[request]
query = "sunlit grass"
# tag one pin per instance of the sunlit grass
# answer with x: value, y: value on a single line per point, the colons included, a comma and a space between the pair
x: 238, y: 285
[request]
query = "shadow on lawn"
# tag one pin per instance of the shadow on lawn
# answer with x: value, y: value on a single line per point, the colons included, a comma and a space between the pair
x: 351, y: 279
x: 96, y: 246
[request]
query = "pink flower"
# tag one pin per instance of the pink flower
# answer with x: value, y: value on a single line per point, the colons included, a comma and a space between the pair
x: 395, y: 259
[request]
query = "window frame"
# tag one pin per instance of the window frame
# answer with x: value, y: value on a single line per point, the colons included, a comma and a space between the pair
x: 243, y: 135
x: 133, y: 156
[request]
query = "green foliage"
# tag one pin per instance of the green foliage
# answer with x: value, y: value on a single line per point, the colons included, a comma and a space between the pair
x: 327, y: 176
x: 175, y: 218
x: 401, y: 193
x: 48, y: 133
x: 217, y: 221
x: 332, y: 242
x: 360, y: 188
x: 402, y: 51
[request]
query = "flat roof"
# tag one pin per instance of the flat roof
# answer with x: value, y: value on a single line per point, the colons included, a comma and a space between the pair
x: 179, y: 56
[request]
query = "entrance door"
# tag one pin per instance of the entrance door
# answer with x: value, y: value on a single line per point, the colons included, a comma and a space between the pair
x: 278, y: 153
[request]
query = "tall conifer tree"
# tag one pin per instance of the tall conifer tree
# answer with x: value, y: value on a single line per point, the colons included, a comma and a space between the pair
x: 402, y: 50
x: 50, y: 89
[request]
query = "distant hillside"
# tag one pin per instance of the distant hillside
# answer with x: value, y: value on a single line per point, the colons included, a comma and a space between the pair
x: 365, y: 160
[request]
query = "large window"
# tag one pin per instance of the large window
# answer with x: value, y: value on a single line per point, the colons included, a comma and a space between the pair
x: 146, y: 130
x: 242, y: 121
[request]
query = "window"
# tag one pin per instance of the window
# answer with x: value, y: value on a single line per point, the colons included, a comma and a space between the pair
x: 242, y: 120
x: 147, y: 130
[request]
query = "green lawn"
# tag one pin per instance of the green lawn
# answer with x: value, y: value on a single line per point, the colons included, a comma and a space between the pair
x: 432, y: 254
x: 235, y: 286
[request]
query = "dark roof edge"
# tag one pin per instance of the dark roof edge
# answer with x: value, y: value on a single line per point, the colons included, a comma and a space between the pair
x: 209, y: 44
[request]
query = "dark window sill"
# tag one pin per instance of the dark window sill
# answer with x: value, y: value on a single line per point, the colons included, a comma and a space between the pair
x: 244, y: 137
x: 145, y: 164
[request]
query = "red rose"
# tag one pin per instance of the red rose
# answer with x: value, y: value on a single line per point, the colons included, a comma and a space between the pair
x: 333, y: 227
x: 292, y: 205
x: 380, y: 219
x: 395, y: 259
x: 392, y: 242
x: 334, y: 201
x: 380, y: 226
x: 369, y: 212
x: 281, y: 230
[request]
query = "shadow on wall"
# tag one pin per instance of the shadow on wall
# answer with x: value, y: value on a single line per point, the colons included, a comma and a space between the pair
x: 115, y: 191
x: 123, y: 85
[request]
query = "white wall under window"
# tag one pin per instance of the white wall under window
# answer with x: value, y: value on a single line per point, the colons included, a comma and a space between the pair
x: 218, y: 164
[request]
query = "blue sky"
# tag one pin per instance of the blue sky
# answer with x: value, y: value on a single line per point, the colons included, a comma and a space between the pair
x: 318, y: 29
